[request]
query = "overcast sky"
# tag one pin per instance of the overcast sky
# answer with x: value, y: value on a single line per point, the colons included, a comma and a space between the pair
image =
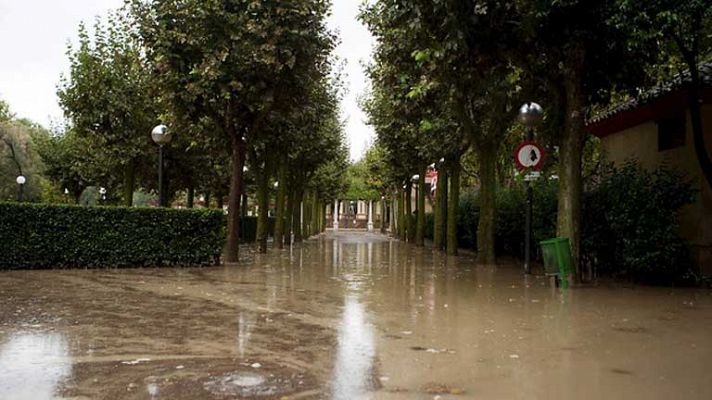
x: 33, y: 42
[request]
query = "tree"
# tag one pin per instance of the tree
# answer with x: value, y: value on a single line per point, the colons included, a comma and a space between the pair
x: 683, y: 31
x: 65, y: 162
x: 584, y: 58
x: 477, y: 39
x: 18, y: 156
x: 108, y: 100
x: 234, y: 62
x: 5, y: 114
x: 395, y: 111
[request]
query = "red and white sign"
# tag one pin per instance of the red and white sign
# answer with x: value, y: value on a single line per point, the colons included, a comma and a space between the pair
x: 529, y: 155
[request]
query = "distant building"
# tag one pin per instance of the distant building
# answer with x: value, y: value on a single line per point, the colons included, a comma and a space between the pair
x: 656, y: 130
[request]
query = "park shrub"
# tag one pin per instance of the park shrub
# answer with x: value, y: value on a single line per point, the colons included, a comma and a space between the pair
x: 511, y: 216
x: 631, y: 225
x: 468, y: 216
x: 629, y: 222
x: 61, y: 236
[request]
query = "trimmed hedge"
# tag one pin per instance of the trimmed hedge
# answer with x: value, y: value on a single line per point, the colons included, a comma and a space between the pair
x: 61, y: 236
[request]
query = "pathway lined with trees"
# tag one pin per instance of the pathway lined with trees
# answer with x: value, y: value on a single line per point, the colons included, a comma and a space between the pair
x: 251, y: 92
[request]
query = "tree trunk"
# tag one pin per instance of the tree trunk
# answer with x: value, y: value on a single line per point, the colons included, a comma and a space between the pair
x: 570, y: 182
x: 233, y: 205
x: 129, y: 183
x: 392, y: 217
x: 325, y: 223
x: 219, y: 200
x: 296, y: 216
x: 263, y: 210
x: 289, y: 215
x: 384, y: 206
x: 306, y: 214
x: 439, y: 211
x: 453, y: 205
x: 207, y: 203
x: 279, y: 206
x: 315, y: 214
x: 402, y: 234
x: 487, y: 157
x: 420, y: 222
x: 409, y: 231
x: 694, y: 99
x: 190, y: 196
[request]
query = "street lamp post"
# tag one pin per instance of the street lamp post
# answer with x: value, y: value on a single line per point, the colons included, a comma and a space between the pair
x: 161, y: 136
x: 21, y: 180
x: 530, y: 115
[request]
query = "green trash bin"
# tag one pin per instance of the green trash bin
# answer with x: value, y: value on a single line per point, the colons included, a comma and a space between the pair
x: 557, y: 258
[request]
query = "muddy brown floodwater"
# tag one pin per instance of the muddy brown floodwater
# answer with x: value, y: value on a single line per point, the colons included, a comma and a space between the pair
x: 347, y: 316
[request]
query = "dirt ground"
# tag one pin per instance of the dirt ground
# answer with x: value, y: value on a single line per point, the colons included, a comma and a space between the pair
x: 347, y: 316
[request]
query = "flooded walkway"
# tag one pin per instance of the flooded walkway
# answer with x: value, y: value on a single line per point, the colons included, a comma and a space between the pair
x: 347, y: 316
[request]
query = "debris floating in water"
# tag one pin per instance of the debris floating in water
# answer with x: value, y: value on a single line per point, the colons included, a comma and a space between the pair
x: 136, y: 361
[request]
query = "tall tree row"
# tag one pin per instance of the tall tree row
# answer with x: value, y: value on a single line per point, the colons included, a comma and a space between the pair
x: 449, y: 76
x: 246, y: 66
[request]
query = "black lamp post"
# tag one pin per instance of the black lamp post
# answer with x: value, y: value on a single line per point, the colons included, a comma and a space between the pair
x: 530, y: 115
x: 21, y: 180
x: 161, y: 136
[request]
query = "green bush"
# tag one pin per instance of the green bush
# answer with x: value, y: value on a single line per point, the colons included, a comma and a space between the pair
x: 630, y: 224
x: 468, y: 216
x: 511, y: 216
x: 60, y: 236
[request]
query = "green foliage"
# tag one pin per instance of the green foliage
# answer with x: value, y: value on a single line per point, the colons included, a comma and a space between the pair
x: 53, y: 236
x: 632, y: 227
x: 19, y: 156
x: 468, y: 216
x: 512, y: 212
x: 109, y: 101
x: 5, y: 114
x: 630, y: 222
x: 358, y: 183
x: 258, y: 71
x: 66, y: 162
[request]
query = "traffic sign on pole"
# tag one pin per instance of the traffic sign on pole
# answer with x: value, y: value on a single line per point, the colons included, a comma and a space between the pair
x: 529, y: 155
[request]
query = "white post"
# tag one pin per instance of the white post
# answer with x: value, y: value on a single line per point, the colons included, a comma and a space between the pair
x: 301, y: 216
x: 335, y: 213
x: 370, y: 215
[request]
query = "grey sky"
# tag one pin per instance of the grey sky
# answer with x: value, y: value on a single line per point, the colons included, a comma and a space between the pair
x: 34, y: 35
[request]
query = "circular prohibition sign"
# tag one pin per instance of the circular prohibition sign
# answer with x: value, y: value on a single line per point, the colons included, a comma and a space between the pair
x: 529, y: 155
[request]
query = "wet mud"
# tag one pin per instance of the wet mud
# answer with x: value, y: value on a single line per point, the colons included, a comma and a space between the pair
x: 347, y: 316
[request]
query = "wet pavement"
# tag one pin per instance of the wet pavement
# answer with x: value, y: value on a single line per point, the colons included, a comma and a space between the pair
x: 347, y: 316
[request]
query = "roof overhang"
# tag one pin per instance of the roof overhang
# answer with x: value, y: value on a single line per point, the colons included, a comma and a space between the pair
x: 663, y: 107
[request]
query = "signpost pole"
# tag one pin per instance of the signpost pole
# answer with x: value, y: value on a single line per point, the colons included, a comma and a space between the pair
x: 528, y: 223
x: 528, y: 158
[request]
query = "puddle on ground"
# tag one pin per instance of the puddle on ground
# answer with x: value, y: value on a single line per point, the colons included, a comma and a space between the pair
x: 244, y: 384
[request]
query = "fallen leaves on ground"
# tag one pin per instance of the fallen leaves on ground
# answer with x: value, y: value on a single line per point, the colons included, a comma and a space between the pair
x: 439, y: 388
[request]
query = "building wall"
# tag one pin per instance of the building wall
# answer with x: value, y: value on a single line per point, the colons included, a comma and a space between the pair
x: 641, y: 143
